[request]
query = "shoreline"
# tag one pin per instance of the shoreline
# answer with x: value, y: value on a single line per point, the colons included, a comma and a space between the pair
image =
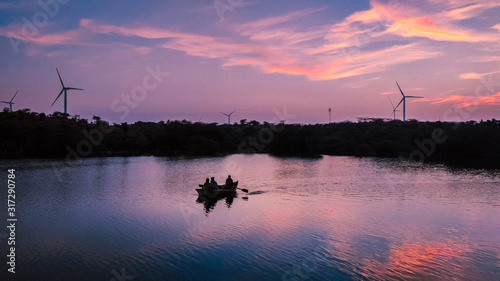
x: 453, y: 165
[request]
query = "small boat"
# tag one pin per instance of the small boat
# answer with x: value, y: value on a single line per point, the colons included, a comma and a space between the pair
x: 222, y: 191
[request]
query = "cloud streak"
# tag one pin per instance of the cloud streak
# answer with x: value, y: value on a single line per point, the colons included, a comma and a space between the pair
x: 360, y: 63
x: 473, y: 75
x: 403, y: 21
x: 471, y: 10
x: 274, y: 45
x: 62, y: 38
x: 426, y: 27
x: 278, y: 50
x: 465, y: 101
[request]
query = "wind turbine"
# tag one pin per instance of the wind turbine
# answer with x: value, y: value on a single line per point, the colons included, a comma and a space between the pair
x: 65, y: 90
x: 10, y: 103
x: 330, y: 115
x: 394, y: 109
x: 228, y: 116
x: 403, y: 100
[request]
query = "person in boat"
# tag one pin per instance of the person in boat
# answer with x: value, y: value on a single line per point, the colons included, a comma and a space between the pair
x: 229, y: 182
x: 206, y: 185
x: 213, y: 184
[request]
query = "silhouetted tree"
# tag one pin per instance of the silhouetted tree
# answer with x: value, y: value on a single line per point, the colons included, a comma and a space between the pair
x: 471, y: 143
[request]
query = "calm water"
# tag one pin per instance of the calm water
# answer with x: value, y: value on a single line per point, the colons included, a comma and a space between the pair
x: 335, y: 218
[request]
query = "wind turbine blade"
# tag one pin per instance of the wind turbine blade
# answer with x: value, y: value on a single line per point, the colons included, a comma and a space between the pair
x: 57, y: 97
x: 60, y: 79
x: 399, y: 103
x: 74, y: 89
x: 400, y: 89
x: 391, y: 103
x: 415, y: 97
x: 14, y: 96
x: 224, y: 113
x: 4, y: 101
x: 232, y: 112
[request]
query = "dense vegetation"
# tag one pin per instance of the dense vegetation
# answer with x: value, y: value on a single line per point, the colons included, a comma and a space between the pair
x: 28, y: 134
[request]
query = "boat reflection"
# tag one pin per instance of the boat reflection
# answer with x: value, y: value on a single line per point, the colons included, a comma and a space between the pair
x: 210, y: 202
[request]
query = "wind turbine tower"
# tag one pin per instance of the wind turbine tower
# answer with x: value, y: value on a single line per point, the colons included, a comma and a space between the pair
x: 394, y: 109
x: 228, y: 116
x: 65, y: 90
x: 330, y: 115
x: 10, y: 103
x: 403, y: 100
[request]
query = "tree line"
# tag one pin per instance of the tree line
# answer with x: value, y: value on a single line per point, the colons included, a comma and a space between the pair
x: 27, y: 134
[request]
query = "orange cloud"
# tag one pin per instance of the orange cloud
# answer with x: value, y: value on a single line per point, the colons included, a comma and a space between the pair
x: 473, y: 75
x: 470, y: 76
x: 425, y: 27
x: 357, y: 63
x: 466, y: 101
x: 318, y: 72
x: 377, y: 12
x: 406, y: 22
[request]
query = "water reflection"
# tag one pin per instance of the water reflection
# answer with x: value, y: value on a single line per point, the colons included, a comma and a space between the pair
x: 335, y: 218
x: 209, y: 203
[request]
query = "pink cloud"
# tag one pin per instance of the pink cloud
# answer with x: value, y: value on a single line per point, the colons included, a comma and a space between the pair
x: 144, y: 32
x: 16, y: 32
x: 285, y: 35
x: 484, y: 58
x: 470, y: 11
x: 143, y: 50
x: 473, y: 75
x: 465, y: 101
x: 377, y: 12
x: 455, y: 4
x: 319, y: 53
x: 318, y: 72
x: 271, y: 21
x: 403, y: 20
x: 276, y: 50
x: 358, y: 63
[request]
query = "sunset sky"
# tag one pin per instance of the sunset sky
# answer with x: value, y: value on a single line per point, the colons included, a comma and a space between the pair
x: 270, y: 60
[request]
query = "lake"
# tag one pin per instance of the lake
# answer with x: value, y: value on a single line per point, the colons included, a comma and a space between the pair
x: 332, y: 218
